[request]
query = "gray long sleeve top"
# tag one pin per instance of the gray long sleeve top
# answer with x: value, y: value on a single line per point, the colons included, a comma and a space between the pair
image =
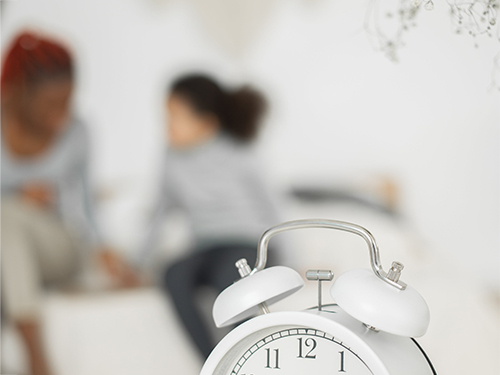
x: 220, y: 189
x: 64, y: 167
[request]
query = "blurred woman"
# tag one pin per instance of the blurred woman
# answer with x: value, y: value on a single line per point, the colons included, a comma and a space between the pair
x: 46, y: 206
x: 210, y: 173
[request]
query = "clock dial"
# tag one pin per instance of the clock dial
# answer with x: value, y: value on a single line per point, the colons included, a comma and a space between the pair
x: 297, y: 351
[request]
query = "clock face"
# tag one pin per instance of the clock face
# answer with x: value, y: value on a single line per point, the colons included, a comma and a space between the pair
x: 289, y: 350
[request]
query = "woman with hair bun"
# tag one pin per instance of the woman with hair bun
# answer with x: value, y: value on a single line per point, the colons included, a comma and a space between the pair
x: 210, y: 174
x: 46, y: 205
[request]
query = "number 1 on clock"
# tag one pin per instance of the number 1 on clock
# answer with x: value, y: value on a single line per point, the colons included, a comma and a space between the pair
x: 341, y: 361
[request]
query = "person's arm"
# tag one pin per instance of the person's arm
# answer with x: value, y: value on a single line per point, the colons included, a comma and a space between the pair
x: 30, y: 333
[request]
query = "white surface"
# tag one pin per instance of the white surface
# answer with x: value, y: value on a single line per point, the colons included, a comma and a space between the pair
x: 124, y: 333
x: 372, y: 301
x: 240, y: 300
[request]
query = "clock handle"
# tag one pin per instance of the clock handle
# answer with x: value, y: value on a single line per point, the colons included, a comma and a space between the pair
x: 392, y: 277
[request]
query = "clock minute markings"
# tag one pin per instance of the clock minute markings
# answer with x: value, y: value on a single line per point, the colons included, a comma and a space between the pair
x: 272, y: 358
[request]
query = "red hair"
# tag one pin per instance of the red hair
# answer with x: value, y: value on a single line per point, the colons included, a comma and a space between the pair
x: 32, y: 58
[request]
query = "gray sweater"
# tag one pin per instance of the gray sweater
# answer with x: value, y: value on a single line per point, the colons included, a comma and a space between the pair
x: 64, y: 167
x: 220, y: 189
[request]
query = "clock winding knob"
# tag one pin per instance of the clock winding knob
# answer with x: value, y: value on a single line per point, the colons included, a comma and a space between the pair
x: 395, y: 271
x: 243, y: 267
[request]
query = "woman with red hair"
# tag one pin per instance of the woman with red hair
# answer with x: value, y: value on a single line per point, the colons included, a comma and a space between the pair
x: 46, y: 205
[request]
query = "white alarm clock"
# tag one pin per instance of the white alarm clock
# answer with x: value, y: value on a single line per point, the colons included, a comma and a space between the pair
x: 370, y: 329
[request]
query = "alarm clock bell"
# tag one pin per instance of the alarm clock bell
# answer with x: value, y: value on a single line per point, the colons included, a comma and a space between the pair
x: 253, y: 293
x: 374, y: 297
x: 379, y: 305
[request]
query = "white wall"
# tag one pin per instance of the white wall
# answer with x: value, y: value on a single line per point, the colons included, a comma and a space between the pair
x: 340, y: 110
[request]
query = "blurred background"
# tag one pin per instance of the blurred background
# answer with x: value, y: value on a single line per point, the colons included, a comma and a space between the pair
x: 407, y: 148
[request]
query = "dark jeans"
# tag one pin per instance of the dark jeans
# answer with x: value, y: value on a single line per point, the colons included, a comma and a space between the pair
x: 213, y: 268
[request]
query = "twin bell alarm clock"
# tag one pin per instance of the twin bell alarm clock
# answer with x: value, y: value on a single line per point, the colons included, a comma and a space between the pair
x: 369, y: 330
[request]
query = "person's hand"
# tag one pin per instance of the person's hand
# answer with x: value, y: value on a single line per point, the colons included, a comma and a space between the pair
x: 118, y: 268
x: 39, y: 194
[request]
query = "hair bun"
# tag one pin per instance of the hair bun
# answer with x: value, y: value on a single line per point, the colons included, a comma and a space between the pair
x: 244, y: 110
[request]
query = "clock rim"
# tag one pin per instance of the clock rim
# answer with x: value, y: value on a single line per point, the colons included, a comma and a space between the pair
x: 311, y: 319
